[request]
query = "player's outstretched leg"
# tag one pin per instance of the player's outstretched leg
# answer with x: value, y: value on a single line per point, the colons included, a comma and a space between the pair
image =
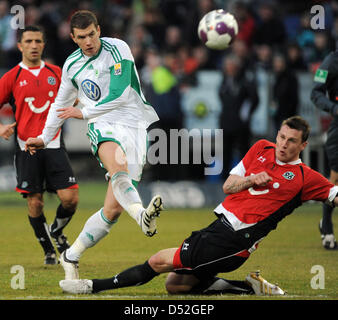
x: 128, y: 197
x: 134, y: 276
x: 95, y: 228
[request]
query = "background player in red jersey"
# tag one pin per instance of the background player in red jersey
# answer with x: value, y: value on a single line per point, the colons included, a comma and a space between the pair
x: 31, y: 88
x: 266, y: 186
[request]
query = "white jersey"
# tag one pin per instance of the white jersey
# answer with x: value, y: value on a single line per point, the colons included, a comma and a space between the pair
x: 107, y: 86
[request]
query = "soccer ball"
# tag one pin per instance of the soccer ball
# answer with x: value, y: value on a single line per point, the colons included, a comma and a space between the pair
x: 217, y: 29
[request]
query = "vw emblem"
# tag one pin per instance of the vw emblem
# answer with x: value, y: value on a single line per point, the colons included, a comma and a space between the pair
x: 91, y: 89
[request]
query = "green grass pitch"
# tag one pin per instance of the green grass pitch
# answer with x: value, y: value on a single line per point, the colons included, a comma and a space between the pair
x: 288, y: 256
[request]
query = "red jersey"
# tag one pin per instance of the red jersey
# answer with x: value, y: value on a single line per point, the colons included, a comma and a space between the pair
x: 291, y: 185
x: 31, y: 91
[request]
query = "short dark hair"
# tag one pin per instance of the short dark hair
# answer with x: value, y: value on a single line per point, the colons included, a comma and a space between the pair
x: 298, y: 123
x: 33, y: 28
x: 82, y: 19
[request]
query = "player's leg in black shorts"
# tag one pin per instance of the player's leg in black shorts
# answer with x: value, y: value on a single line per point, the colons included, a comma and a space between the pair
x: 212, y: 250
x: 331, y: 147
x: 326, y: 225
x: 30, y: 183
x: 59, y: 173
x: 48, y: 169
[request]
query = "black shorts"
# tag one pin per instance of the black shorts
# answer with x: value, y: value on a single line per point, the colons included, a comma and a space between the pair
x: 212, y: 250
x: 331, y: 147
x: 48, y: 169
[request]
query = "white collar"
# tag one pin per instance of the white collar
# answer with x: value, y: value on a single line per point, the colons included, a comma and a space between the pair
x: 298, y: 161
x: 23, y: 66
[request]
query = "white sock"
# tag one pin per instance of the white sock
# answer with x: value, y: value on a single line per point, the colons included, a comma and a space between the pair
x: 127, y: 195
x: 96, y: 228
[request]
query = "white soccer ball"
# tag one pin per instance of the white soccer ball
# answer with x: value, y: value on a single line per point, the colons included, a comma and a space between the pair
x: 217, y: 29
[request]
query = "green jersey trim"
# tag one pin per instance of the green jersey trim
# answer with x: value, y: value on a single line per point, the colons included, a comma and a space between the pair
x: 113, y: 51
x: 75, y: 53
x: 120, y: 80
x: 116, y: 53
x: 75, y: 60
x: 88, y: 61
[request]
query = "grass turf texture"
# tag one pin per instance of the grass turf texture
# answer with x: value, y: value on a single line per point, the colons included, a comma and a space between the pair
x: 286, y: 256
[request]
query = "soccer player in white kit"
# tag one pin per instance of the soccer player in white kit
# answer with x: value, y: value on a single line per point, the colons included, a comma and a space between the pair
x: 102, y: 75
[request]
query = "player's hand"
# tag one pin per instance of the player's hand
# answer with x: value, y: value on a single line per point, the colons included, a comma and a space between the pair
x: 260, y: 179
x: 33, y: 144
x: 6, y: 130
x: 69, y: 112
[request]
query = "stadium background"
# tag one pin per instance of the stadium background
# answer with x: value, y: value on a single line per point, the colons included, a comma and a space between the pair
x: 176, y: 69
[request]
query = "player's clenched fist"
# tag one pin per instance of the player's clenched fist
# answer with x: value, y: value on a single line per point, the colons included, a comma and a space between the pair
x: 260, y: 179
x: 33, y: 144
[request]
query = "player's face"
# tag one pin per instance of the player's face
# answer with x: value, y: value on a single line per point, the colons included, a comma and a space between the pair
x: 87, y: 39
x: 289, y: 144
x: 31, y: 46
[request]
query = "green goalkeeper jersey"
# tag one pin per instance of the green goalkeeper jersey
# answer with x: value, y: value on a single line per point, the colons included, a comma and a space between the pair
x: 107, y: 86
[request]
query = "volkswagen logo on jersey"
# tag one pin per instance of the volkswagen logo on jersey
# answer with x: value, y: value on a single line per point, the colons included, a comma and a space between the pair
x: 91, y: 89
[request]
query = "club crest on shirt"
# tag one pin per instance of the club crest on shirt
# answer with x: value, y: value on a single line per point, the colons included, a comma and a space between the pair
x: 91, y: 89
x: 288, y: 175
x: 51, y: 80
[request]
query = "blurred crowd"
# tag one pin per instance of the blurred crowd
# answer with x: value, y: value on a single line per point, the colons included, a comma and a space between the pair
x: 273, y: 35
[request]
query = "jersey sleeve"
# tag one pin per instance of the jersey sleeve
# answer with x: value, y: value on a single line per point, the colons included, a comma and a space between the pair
x: 66, y: 97
x: 325, y: 73
x: 241, y: 167
x: 123, y: 76
x: 316, y: 187
x: 253, y: 151
x: 6, y: 87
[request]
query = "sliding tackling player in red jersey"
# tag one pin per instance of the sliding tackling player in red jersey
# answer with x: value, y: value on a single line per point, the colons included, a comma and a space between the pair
x: 31, y: 88
x: 265, y: 187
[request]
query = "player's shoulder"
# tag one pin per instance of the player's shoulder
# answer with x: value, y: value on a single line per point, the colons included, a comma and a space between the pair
x: 119, y: 47
x: 12, y: 73
x: 263, y: 144
x: 307, y: 170
x: 114, y: 42
x: 53, y: 67
x: 73, y: 57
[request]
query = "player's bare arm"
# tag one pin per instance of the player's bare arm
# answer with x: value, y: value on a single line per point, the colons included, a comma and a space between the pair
x: 69, y: 112
x: 6, y: 130
x: 33, y: 144
x: 236, y: 183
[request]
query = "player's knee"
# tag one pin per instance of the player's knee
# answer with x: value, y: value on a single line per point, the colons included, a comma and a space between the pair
x: 112, y: 213
x: 35, y: 205
x: 70, y: 201
x: 172, y: 286
x: 155, y: 262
